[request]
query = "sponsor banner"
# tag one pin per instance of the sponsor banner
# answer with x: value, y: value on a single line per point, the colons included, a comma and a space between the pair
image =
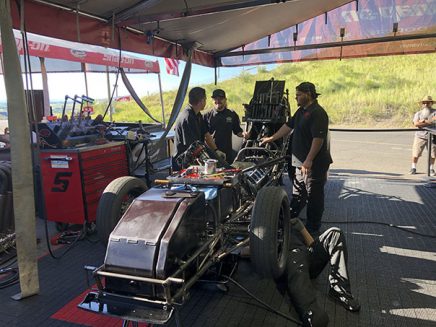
x: 365, y: 19
x: 58, y: 49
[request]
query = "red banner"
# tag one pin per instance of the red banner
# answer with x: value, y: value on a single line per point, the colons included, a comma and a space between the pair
x: 125, y: 98
x: 58, y: 49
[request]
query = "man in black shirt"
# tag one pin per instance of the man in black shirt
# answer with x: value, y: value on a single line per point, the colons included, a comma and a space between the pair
x: 310, y: 155
x: 221, y: 122
x: 190, y: 126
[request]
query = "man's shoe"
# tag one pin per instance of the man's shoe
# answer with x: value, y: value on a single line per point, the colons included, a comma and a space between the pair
x: 412, y: 171
x: 345, y: 299
x: 432, y: 172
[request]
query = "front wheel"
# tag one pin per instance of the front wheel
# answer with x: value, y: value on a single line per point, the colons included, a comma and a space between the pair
x: 115, y: 200
x: 269, y: 232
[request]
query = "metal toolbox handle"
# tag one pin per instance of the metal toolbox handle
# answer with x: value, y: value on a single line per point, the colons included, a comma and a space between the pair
x: 59, y: 158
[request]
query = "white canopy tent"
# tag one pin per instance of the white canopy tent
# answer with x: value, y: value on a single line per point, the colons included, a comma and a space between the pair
x: 205, y: 31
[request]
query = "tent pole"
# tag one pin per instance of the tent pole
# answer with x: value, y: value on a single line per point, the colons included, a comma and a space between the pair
x: 161, y: 100
x: 21, y: 155
x: 86, y: 79
x: 109, y: 92
x: 45, y: 91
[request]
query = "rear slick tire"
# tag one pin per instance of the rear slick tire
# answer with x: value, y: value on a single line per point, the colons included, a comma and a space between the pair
x: 115, y: 200
x: 269, y: 232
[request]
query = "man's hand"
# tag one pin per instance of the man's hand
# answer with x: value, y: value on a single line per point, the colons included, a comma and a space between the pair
x: 220, y: 154
x: 265, y: 140
x: 307, y: 166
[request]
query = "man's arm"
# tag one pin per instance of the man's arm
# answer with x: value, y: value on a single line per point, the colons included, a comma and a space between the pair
x: 418, y: 122
x: 283, y: 131
x: 237, y: 130
x: 210, y: 142
x: 243, y: 134
x: 424, y: 122
x: 314, y: 149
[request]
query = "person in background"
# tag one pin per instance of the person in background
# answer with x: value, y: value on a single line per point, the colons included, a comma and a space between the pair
x: 5, y: 138
x: 424, y: 118
x: 310, y: 155
x: 190, y: 126
x: 98, y: 120
x: 221, y: 122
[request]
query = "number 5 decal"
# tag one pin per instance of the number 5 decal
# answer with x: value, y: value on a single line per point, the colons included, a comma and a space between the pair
x: 62, y: 180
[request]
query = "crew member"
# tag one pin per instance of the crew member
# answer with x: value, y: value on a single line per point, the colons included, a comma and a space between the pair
x: 307, y: 263
x: 310, y: 155
x: 221, y: 123
x: 190, y: 126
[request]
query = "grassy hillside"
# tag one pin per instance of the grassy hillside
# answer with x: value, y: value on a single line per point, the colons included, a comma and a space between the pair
x: 369, y: 92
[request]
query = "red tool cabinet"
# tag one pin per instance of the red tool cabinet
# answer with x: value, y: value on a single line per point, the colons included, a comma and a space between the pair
x: 74, y: 179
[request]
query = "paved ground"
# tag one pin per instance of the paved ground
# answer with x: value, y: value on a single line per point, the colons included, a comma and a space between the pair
x: 393, y: 272
x: 382, y: 154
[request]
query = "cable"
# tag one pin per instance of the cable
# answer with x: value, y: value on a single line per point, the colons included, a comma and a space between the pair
x: 270, y: 308
x: 10, y: 280
x: 381, y: 223
x: 8, y: 264
x: 50, y: 250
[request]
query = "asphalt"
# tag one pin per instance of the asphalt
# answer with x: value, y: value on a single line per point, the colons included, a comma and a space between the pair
x: 376, y: 154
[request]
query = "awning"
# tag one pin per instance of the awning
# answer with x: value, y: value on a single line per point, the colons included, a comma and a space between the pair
x: 237, y: 32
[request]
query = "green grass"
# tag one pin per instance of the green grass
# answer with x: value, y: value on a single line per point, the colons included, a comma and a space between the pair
x: 368, y: 93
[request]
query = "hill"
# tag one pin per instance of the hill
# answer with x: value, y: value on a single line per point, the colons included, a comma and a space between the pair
x: 369, y: 92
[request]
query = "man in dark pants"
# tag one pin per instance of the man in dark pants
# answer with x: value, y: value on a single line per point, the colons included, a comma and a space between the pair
x: 221, y: 123
x: 190, y: 126
x: 310, y: 155
x: 307, y: 259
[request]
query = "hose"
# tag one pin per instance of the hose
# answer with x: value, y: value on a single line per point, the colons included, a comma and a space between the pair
x: 266, y: 305
x: 10, y: 280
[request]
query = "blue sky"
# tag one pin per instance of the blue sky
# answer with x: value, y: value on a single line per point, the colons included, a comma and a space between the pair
x: 61, y: 84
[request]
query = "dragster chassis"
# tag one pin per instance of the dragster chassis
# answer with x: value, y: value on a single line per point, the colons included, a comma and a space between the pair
x: 145, y: 278
x: 192, y: 225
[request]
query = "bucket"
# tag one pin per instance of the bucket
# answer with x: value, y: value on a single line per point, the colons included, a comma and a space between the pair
x: 210, y: 166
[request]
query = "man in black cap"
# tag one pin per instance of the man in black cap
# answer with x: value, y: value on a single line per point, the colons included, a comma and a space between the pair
x: 310, y: 155
x: 221, y: 122
x: 190, y: 126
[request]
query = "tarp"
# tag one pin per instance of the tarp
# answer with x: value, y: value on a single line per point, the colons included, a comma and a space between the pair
x: 214, y: 28
x: 73, y: 54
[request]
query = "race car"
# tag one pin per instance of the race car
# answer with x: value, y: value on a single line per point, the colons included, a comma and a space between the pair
x: 190, y: 226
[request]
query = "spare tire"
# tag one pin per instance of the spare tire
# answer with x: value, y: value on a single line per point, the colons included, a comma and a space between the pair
x: 115, y: 200
x: 269, y: 232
